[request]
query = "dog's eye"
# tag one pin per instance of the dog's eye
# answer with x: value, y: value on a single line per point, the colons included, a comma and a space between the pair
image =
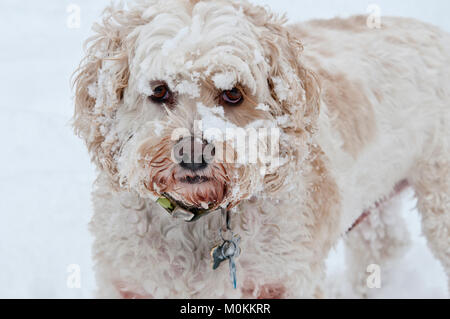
x: 233, y: 97
x: 161, y: 94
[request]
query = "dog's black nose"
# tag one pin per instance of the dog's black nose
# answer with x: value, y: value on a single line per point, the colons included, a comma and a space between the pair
x: 194, y: 155
x: 194, y: 166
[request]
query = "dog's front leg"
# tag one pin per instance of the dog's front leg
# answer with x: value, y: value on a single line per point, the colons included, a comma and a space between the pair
x: 284, y: 252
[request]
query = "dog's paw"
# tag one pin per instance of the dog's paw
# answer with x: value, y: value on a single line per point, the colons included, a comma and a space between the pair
x: 126, y: 292
x: 266, y: 291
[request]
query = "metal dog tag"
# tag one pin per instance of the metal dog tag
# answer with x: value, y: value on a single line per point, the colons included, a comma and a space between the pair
x: 228, y: 250
x: 232, y: 266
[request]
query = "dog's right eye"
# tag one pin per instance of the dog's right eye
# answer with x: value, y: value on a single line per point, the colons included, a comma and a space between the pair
x: 161, y: 94
x: 232, y: 97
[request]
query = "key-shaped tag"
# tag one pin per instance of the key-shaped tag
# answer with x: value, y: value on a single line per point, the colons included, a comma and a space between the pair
x: 232, y: 265
x: 229, y: 250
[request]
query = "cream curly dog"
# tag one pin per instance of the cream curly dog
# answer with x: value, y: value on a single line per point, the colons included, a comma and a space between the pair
x: 361, y: 113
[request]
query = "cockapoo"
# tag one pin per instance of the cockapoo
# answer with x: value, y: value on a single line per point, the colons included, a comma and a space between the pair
x: 352, y: 115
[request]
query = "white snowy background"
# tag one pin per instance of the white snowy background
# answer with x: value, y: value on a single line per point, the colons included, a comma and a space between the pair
x: 46, y: 175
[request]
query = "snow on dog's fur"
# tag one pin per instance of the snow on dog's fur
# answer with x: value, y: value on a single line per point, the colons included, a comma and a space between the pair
x: 359, y: 111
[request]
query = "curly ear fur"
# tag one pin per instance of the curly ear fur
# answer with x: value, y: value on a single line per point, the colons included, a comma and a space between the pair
x: 295, y: 89
x: 101, y: 79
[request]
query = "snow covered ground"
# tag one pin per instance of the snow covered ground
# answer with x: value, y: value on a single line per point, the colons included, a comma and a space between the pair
x: 46, y: 175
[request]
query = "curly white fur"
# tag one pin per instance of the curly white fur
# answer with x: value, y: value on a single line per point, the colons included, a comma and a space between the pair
x: 360, y: 110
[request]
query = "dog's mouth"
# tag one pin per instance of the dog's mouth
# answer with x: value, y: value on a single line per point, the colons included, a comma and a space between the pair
x: 194, y: 180
x: 191, y: 195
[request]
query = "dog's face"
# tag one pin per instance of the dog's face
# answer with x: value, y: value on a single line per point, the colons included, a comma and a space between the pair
x: 168, y: 86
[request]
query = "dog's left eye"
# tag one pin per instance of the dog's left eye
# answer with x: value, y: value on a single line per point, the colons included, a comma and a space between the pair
x: 161, y: 94
x: 232, y: 97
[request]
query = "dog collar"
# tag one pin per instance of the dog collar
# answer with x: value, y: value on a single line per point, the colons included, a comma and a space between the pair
x: 174, y: 210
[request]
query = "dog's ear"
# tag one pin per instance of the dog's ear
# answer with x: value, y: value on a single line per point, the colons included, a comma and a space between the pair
x: 100, y: 81
x: 295, y: 89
